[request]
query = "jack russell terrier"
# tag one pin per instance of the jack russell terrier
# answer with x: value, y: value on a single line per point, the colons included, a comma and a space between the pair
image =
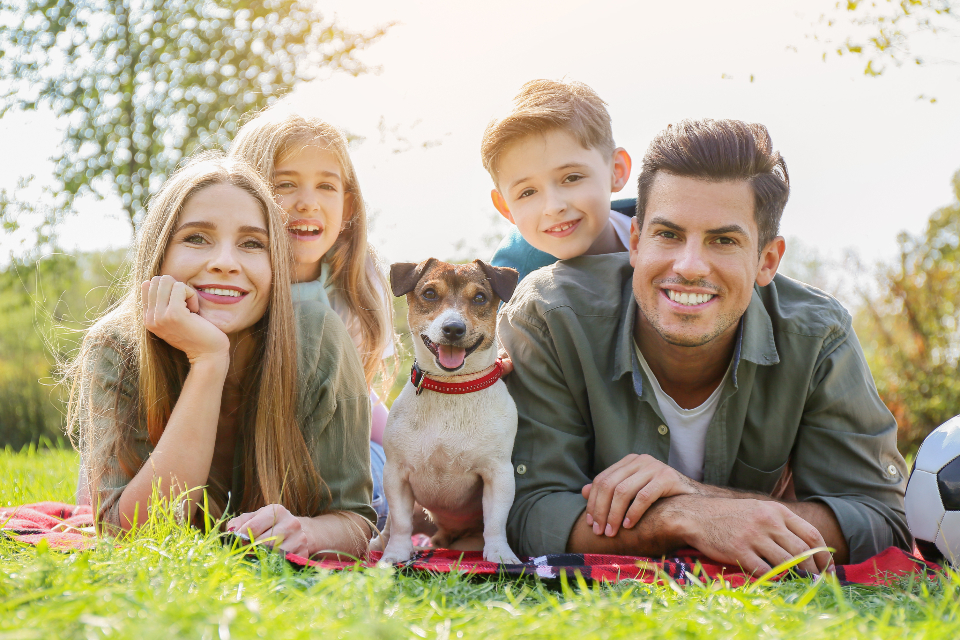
x: 449, y: 436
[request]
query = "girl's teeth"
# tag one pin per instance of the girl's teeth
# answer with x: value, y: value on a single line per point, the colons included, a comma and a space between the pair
x: 689, y: 299
x: 304, y: 227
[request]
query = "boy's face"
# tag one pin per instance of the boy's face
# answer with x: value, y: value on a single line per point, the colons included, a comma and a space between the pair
x: 557, y: 192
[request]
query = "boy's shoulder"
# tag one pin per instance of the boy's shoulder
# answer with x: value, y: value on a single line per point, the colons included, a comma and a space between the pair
x: 516, y: 253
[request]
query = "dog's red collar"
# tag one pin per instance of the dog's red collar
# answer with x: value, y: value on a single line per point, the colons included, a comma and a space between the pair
x: 420, y: 380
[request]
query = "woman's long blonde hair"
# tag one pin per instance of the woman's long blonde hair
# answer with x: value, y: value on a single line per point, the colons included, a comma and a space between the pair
x: 274, y: 134
x: 277, y: 463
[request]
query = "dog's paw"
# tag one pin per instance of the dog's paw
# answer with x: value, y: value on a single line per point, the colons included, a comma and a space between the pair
x: 499, y: 551
x: 395, y: 553
x: 375, y: 544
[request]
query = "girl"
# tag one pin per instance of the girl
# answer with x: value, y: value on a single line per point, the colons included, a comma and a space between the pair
x: 178, y: 385
x: 314, y: 182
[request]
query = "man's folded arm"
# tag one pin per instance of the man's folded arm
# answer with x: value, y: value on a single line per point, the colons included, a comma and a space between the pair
x: 846, y: 452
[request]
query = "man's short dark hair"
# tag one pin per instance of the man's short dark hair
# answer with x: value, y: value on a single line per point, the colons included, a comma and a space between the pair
x: 718, y: 151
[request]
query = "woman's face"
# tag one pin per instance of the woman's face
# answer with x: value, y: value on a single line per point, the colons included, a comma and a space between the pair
x: 220, y: 247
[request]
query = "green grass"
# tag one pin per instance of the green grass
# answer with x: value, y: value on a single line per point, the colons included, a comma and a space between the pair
x: 170, y: 581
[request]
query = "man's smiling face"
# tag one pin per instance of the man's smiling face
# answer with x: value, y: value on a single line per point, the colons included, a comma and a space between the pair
x: 695, y: 260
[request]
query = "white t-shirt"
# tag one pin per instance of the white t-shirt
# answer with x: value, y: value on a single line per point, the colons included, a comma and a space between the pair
x: 688, y: 427
x: 621, y: 224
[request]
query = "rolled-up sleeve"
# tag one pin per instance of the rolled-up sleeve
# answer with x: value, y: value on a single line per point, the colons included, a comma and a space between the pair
x: 551, y: 455
x: 846, y: 453
x: 335, y: 411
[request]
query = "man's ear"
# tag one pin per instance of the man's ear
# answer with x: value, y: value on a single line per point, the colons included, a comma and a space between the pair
x: 503, y: 280
x: 501, y: 205
x: 634, y: 247
x: 621, y: 169
x: 770, y: 259
x: 404, y: 276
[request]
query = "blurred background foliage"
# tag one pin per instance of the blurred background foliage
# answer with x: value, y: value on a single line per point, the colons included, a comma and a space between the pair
x: 911, y: 327
x: 144, y: 83
x: 43, y: 306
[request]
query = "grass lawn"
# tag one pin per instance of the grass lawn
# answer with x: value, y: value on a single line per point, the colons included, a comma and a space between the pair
x: 172, y: 582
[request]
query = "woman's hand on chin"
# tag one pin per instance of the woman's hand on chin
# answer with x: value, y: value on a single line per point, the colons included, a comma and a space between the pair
x: 170, y: 312
x: 274, y: 521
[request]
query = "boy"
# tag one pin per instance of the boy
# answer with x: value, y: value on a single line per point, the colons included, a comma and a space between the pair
x: 554, y: 166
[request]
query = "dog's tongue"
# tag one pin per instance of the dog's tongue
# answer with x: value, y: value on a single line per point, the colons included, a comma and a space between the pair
x: 451, y: 357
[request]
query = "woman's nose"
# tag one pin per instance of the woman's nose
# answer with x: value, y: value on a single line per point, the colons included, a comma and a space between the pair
x: 224, y: 259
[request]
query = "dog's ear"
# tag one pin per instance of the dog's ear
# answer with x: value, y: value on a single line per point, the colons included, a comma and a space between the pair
x: 404, y: 276
x: 503, y: 280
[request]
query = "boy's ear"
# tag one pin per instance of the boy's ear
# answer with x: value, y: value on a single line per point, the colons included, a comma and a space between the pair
x: 621, y: 169
x: 404, y: 276
x: 501, y: 205
x: 503, y: 280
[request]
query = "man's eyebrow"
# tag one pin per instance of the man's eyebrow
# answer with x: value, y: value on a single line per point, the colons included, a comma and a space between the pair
x: 730, y: 228
x: 663, y: 222
x: 719, y: 231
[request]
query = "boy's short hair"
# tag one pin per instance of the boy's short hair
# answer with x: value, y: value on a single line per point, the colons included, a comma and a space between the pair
x: 544, y: 105
x: 717, y: 151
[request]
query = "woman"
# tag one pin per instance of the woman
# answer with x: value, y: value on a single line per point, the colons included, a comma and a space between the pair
x: 192, y: 380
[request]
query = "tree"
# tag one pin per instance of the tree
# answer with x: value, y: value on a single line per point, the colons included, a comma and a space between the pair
x: 886, y: 32
x: 143, y: 83
x: 44, y: 305
x: 911, y: 329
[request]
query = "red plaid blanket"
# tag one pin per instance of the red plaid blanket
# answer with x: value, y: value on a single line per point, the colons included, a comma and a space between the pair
x: 63, y: 526
x: 884, y: 568
x: 66, y: 526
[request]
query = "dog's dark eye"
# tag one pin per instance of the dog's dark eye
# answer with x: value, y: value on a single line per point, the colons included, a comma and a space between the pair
x: 429, y: 294
x: 479, y: 299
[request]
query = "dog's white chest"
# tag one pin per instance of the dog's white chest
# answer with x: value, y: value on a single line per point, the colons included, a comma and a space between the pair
x: 448, y: 442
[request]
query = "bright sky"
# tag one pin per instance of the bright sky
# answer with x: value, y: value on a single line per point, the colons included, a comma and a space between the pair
x: 866, y: 158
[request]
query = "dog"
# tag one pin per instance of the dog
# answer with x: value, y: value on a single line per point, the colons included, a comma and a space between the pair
x: 449, y: 435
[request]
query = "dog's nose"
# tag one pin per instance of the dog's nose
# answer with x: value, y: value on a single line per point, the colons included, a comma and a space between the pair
x: 453, y: 329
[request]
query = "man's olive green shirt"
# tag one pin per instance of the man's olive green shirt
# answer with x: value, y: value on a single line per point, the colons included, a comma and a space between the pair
x: 800, y: 392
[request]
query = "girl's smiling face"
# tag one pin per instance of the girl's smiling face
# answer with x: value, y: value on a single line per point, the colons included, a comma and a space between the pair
x: 220, y: 247
x: 308, y: 184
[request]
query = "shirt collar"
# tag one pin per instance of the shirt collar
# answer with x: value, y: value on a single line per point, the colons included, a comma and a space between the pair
x: 319, y: 289
x: 755, y: 341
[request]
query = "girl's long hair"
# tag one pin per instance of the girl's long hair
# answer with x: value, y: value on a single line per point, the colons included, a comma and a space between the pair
x: 355, y: 268
x: 277, y: 462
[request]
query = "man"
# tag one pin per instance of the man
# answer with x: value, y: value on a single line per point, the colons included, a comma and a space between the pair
x: 684, y: 395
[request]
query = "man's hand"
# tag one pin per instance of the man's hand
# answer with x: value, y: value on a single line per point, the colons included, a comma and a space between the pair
x: 754, y: 534
x: 274, y: 521
x: 621, y: 494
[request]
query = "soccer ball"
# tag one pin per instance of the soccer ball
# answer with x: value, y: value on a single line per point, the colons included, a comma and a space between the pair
x: 933, y: 494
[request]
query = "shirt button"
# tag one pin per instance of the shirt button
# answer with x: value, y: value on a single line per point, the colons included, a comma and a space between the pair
x: 892, y: 470
x: 663, y: 429
x: 521, y: 469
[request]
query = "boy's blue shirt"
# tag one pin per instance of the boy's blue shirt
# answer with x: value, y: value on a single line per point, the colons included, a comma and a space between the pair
x: 517, y: 253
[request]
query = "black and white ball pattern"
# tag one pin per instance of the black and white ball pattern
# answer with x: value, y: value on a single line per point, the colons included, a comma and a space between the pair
x: 933, y: 494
